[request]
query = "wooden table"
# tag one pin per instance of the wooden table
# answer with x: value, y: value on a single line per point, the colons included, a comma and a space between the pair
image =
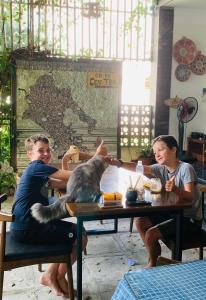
x: 115, y: 179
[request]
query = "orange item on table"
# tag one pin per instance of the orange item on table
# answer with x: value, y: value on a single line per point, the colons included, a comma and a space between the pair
x: 112, y: 196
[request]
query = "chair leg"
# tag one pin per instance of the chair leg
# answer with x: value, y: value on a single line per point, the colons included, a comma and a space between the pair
x: 70, y: 280
x: 85, y: 251
x: 1, y: 283
x: 131, y: 224
x: 116, y: 225
x: 201, y: 253
x: 203, y: 207
x: 173, y: 253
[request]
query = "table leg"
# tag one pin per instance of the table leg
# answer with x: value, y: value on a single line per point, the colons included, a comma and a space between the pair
x: 116, y: 225
x: 79, y: 258
x: 178, y: 243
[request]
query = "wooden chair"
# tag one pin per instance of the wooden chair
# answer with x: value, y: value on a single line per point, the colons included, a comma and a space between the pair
x: 191, y: 241
x: 15, y: 255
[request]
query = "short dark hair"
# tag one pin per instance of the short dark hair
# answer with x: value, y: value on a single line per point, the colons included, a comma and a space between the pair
x: 29, y: 142
x: 169, y: 140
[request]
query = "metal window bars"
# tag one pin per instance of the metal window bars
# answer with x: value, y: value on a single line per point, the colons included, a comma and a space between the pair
x: 103, y: 29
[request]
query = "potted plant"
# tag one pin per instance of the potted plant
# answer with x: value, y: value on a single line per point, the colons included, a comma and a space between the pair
x: 146, y: 154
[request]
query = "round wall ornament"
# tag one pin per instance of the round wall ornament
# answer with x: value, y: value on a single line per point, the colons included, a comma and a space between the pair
x: 182, y: 72
x: 184, y: 51
x: 198, y: 66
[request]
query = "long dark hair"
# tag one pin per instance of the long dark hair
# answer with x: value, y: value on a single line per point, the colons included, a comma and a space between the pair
x: 169, y: 140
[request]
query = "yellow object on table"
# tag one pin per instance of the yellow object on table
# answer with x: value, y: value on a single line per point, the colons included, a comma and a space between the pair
x: 111, y: 200
x: 112, y: 196
x: 74, y: 150
x: 147, y: 185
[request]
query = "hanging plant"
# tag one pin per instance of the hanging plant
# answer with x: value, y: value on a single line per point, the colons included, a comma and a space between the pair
x: 6, y: 72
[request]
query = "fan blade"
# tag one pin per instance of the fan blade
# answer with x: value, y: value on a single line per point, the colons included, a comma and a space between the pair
x: 191, y: 109
x: 187, y: 109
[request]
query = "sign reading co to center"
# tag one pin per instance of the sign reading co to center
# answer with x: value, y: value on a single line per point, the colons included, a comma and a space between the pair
x: 102, y: 80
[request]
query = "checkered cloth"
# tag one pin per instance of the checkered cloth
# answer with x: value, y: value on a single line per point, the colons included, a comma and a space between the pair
x: 184, y: 281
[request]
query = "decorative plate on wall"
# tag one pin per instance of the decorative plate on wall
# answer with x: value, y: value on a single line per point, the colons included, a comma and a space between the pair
x: 184, y: 51
x: 182, y: 72
x: 198, y: 66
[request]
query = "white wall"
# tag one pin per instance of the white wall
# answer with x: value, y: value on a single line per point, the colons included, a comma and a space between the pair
x: 190, y: 23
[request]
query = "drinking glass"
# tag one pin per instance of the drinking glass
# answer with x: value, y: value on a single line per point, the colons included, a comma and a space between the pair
x: 156, y: 185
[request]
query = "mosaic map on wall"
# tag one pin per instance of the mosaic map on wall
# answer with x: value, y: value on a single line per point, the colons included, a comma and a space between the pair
x: 54, y: 98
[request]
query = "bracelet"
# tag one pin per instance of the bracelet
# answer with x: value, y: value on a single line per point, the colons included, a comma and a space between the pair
x: 120, y: 163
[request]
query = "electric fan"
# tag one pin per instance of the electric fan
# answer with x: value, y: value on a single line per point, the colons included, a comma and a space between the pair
x: 186, y: 111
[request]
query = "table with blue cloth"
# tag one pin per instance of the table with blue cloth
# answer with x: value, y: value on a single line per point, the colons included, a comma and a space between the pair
x: 176, y: 282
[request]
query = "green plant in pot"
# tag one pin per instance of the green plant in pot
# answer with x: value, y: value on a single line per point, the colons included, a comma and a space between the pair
x: 146, y: 154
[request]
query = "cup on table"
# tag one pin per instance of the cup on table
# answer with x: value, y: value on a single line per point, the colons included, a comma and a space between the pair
x: 156, y: 185
x: 141, y: 194
x: 131, y: 195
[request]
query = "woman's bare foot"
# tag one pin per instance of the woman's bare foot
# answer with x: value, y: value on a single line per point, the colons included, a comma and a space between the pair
x: 51, y: 281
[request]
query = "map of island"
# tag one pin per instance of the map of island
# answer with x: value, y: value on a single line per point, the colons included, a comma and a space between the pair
x: 43, y: 97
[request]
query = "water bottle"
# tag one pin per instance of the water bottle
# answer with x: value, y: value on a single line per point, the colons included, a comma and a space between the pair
x: 139, y: 167
x: 140, y: 172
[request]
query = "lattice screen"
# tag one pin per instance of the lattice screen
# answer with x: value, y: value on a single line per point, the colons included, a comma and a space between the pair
x: 135, y: 125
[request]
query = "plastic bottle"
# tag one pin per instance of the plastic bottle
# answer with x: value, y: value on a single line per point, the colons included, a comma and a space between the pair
x: 139, y: 167
x: 140, y: 172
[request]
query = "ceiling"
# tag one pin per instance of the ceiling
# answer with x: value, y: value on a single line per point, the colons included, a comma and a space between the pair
x: 193, y: 4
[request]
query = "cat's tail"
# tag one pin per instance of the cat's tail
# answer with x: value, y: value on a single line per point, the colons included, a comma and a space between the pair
x: 55, y: 211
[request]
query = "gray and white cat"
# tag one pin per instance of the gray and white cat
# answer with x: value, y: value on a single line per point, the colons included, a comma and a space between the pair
x: 83, y: 186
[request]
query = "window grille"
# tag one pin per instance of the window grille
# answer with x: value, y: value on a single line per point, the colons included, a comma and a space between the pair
x: 135, y: 125
x: 103, y: 29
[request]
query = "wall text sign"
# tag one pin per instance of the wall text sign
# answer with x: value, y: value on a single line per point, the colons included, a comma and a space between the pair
x: 102, y: 80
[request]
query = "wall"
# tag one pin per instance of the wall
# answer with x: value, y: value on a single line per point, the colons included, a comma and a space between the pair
x: 55, y: 98
x: 190, y: 23
x: 163, y: 79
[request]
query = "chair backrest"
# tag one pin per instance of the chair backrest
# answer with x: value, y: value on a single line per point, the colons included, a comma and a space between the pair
x: 4, y: 218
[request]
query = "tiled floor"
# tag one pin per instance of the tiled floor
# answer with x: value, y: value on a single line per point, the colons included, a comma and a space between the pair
x: 109, y: 257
